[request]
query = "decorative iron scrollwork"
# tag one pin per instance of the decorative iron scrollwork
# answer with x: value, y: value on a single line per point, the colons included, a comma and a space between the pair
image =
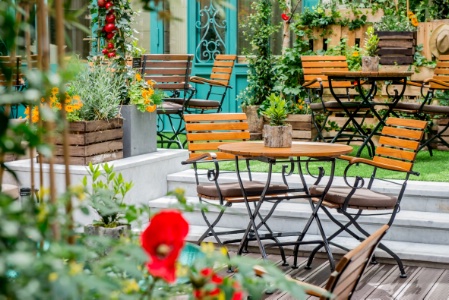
x: 212, y: 29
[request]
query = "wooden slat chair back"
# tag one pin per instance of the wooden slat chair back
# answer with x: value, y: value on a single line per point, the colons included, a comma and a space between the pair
x: 169, y: 71
x: 349, y: 270
x: 399, y: 143
x: 218, y: 84
x: 14, y: 67
x: 205, y: 132
x: 344, y: 280
x: 314, y: 66
x: 441, y: 74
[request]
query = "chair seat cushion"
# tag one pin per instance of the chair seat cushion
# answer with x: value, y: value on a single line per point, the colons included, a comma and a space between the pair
x: 232, y: 189
x: 168, y: 108
x: 332, y: 105
x: 362, y: 198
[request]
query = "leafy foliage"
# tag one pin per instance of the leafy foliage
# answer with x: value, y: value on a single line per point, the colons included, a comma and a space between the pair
x: 371, y: 42
x: 107, y: 193
x: 100, y: 89
x: 277, y: 111
x: 258, y: 30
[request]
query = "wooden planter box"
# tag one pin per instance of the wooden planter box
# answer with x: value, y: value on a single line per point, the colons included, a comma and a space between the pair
x: 92, y: 141
x: 396, y: 48
x: 303, y: 129
x: 439, y: 125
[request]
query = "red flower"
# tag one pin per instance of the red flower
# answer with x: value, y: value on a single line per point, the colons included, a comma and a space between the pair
x: 206, y: 272
x: 238, y: 295
x: 217, y: 279
x: 163, y: 239
x: 285, y: 17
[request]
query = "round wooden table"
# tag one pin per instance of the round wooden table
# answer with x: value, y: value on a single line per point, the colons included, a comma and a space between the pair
x: 298, y: 149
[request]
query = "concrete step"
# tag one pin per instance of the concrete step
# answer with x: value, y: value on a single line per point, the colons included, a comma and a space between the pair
x: 426, y: 228
x: 419, y: 196
x: 435, y: 255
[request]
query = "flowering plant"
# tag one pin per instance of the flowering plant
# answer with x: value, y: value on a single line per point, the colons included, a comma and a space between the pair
x: 73, y: 105
x: 142, y: 94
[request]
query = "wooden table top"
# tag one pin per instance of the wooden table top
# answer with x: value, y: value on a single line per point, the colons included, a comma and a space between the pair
x: 368, y: 74
x: 298, y: 149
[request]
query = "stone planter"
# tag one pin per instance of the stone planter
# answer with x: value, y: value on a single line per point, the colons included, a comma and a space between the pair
x: 92, y: 141
x: 370, y: 63
x: 255, y: 121
x: 139, y: 131
x: 114, y: 233
x: 277, y: 136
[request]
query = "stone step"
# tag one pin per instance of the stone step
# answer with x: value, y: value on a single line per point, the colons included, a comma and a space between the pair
x: 431, y: 255
x: 409, y: 226
x: 419, y: 196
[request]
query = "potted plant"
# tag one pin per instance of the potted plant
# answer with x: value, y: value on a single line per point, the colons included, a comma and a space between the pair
x: 106, y: 196
x: 140, y: 116
x: 370, y: 61
x: 136, y: 54
x: 91, y: 104
x: 277, y: 133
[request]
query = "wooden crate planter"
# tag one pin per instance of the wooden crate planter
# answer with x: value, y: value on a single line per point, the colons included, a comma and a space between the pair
x: 92, y: 141
x: 439, y: 124
x: 396, y: 48
x: 303, y: 129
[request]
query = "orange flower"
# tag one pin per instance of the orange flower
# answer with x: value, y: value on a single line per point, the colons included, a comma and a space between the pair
x: 54, y: 90
x: 151, y: 83
x: 410, y: 14
x: 138, y: 77
x: 150, y: 108
x: 42, y: 100
x: 355, y: 54
x: 69, y: 108
x: 414, y: 21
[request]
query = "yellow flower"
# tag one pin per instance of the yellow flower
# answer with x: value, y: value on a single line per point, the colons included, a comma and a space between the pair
x: 69, y: 108
x: 75, y: 268
x: 53, y: 276
x: 151, y: 83
x: 224, y: 251
x: 42, y: 213
x: 54, y: 90
x: 78, y: 191
x: 138, y: 77
x: 355, y: 54
x: 130, y: 286
x: 207, y: 247
x: 150, y: 108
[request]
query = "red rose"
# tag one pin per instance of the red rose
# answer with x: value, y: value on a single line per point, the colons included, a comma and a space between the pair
x: 285, y: 17
x: 163, y: 239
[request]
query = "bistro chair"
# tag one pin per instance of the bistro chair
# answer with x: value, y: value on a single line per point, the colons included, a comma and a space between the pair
x: 204, y: 133
x: 218, y: 85
x: 429, y: 89
x: 171, y: 72
x: 315, y: 83
x: 399, y: 144
x: 344, y: 280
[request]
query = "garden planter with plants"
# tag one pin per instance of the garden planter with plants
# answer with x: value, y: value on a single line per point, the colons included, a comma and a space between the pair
x: 140, y: 117
x: 370, y: 60
x: 397, y: 38
x: 106, y: 195
x: 277, y: 134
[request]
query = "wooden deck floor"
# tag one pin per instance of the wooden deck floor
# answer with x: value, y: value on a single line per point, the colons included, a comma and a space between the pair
x: 380, y: 281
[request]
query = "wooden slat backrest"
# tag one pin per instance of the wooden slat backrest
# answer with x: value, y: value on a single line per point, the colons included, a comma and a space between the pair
x: 205, y: 132
x: 169, y: 71
x: 399, y: 142
x: 14, y: 67
x: 314, y: 66
x: 222, y: 69
x: 441, y: 72
x: 349, y: 269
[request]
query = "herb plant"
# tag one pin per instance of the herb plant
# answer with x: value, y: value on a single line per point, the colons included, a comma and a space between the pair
x: 277, y: 111
x: 371, y: 42
x: 100, y: 89
x: 107, y: 194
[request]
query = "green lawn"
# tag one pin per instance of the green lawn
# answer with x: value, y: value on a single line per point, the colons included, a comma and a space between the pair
x: 431, y: 168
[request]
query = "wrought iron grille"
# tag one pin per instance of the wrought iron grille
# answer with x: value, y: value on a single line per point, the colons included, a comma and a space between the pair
x: 211, y: 29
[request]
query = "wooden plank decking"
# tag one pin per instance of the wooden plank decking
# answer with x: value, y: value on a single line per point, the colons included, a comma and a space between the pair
x: 380, y: 281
